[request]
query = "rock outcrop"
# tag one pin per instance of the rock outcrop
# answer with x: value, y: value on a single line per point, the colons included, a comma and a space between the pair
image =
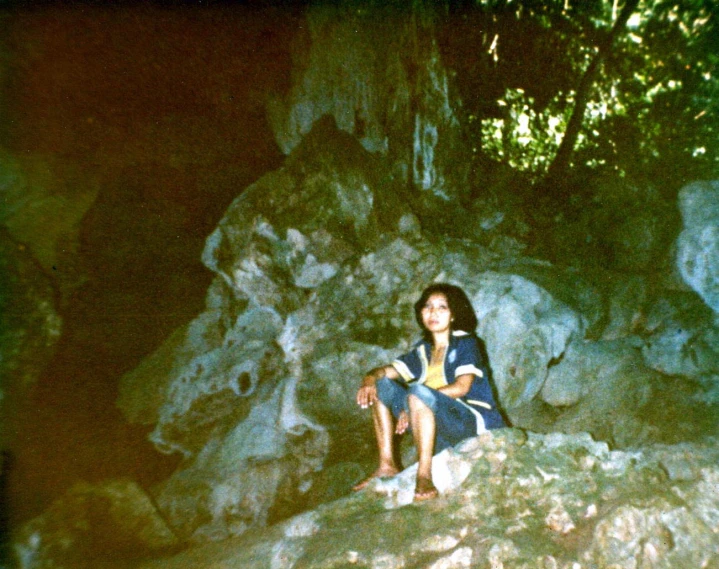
x: 508, y: 499
x: 376, y: 69
x: 698, y: 243
x: 317, y: 267
x: 604, y: 356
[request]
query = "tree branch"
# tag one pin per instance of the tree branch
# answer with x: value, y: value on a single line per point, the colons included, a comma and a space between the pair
x: 564, y: 153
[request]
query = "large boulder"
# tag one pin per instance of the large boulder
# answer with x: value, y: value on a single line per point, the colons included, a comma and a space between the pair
x: 354, y: 65
x: 509, y: 499
x: 525, y: 329
x: 30, y: 326
x: 698, y: 244
x: 93, y: 524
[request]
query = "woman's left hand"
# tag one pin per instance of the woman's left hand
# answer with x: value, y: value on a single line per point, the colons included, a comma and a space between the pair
x: 402, y: 423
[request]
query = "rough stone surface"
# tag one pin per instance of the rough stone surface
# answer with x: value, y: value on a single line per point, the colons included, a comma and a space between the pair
x: 509, y: 499
x: 698, y: 243
x: 525, y: 329
x: 233, y: 484
x: 93, y: 524
x: 317, y: 267
x: 354, y: 65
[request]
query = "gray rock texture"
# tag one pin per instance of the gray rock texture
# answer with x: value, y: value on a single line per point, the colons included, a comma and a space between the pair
x: 317, y: 267
x: 509, y: 499
x: 379, y: 74
x: 698, y: 243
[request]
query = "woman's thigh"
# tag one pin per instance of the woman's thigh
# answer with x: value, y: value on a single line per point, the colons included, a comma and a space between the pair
x: 454, y: 421
x: 393, y: 394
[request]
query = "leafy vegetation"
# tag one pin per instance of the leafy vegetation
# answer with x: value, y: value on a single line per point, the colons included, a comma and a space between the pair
x: 648, y: 111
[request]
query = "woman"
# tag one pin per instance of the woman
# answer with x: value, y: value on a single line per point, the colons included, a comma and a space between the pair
x: 439, y: 390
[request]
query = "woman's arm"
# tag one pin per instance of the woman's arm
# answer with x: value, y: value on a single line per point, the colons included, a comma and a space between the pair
x: 367, y: 393
x: 460, y: 387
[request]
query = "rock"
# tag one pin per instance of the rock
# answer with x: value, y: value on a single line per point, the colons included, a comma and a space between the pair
x: 599, y: 371
x: 698, y: 243
x: 525, y: 330
x: 210, y: 389
x: 30, y: 326
x: 355, y: 68
x: 528, y: 500
x: 234, y: 482
x: 684, y: 339
x: 91, y: 524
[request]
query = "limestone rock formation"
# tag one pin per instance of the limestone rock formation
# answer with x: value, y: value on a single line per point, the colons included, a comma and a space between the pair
x: 317, y: 267
x: 94, y: 524
x: 698, y: 244
x: 377, y: 70
x: 508, y: 499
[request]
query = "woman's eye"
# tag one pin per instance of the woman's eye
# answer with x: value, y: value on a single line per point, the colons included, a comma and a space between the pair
x: 437, y: 308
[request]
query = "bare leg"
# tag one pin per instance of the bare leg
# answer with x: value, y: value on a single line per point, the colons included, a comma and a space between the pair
x: 423, y: 430
x: 384, y: 432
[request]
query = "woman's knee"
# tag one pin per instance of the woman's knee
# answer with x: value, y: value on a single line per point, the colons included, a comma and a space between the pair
x: 391, y: 394
x: 386, y: 388
x: 422, y: 396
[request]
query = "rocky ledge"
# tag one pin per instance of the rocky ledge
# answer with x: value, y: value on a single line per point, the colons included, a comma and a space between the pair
x: 509, y: 499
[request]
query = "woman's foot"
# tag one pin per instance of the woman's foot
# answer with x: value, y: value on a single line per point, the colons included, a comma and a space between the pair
x: 379, y: 473
x: 425, y: 490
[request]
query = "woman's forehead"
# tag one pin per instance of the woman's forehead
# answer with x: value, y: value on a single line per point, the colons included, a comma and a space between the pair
x: 437, y: 297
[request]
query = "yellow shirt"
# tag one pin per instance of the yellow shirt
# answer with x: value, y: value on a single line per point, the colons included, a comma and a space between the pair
x: 435, y: 376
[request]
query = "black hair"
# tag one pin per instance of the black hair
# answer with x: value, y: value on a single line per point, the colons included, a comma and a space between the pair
x: 463, y: 316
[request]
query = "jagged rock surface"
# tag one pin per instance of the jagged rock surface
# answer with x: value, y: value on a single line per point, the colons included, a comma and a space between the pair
x: 92, y: 524
x: 698, y: 244
x: 509, y: 500
x: 378, y: 72
x: 317, y: 267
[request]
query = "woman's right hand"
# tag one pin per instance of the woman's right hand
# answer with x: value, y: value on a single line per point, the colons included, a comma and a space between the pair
x: 367, y: 394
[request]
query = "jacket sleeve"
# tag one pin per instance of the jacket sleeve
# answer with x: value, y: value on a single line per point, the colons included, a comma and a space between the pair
x: 409, y: 365
x: 468, y: 359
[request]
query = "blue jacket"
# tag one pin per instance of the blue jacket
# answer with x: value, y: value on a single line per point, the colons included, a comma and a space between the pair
x: 461, y: 357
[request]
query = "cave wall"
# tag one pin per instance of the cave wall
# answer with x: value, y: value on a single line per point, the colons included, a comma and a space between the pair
x: 323, y: 209
x: 126, y: 131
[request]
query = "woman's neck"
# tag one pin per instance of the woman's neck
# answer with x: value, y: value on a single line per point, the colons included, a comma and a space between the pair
x: 440, y: 340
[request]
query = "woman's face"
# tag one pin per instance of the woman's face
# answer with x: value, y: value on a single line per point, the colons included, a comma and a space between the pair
x: 436, y: 315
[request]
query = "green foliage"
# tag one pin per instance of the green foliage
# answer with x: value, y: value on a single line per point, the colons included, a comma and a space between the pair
x: 652, y: 112
x: 526, y: 138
